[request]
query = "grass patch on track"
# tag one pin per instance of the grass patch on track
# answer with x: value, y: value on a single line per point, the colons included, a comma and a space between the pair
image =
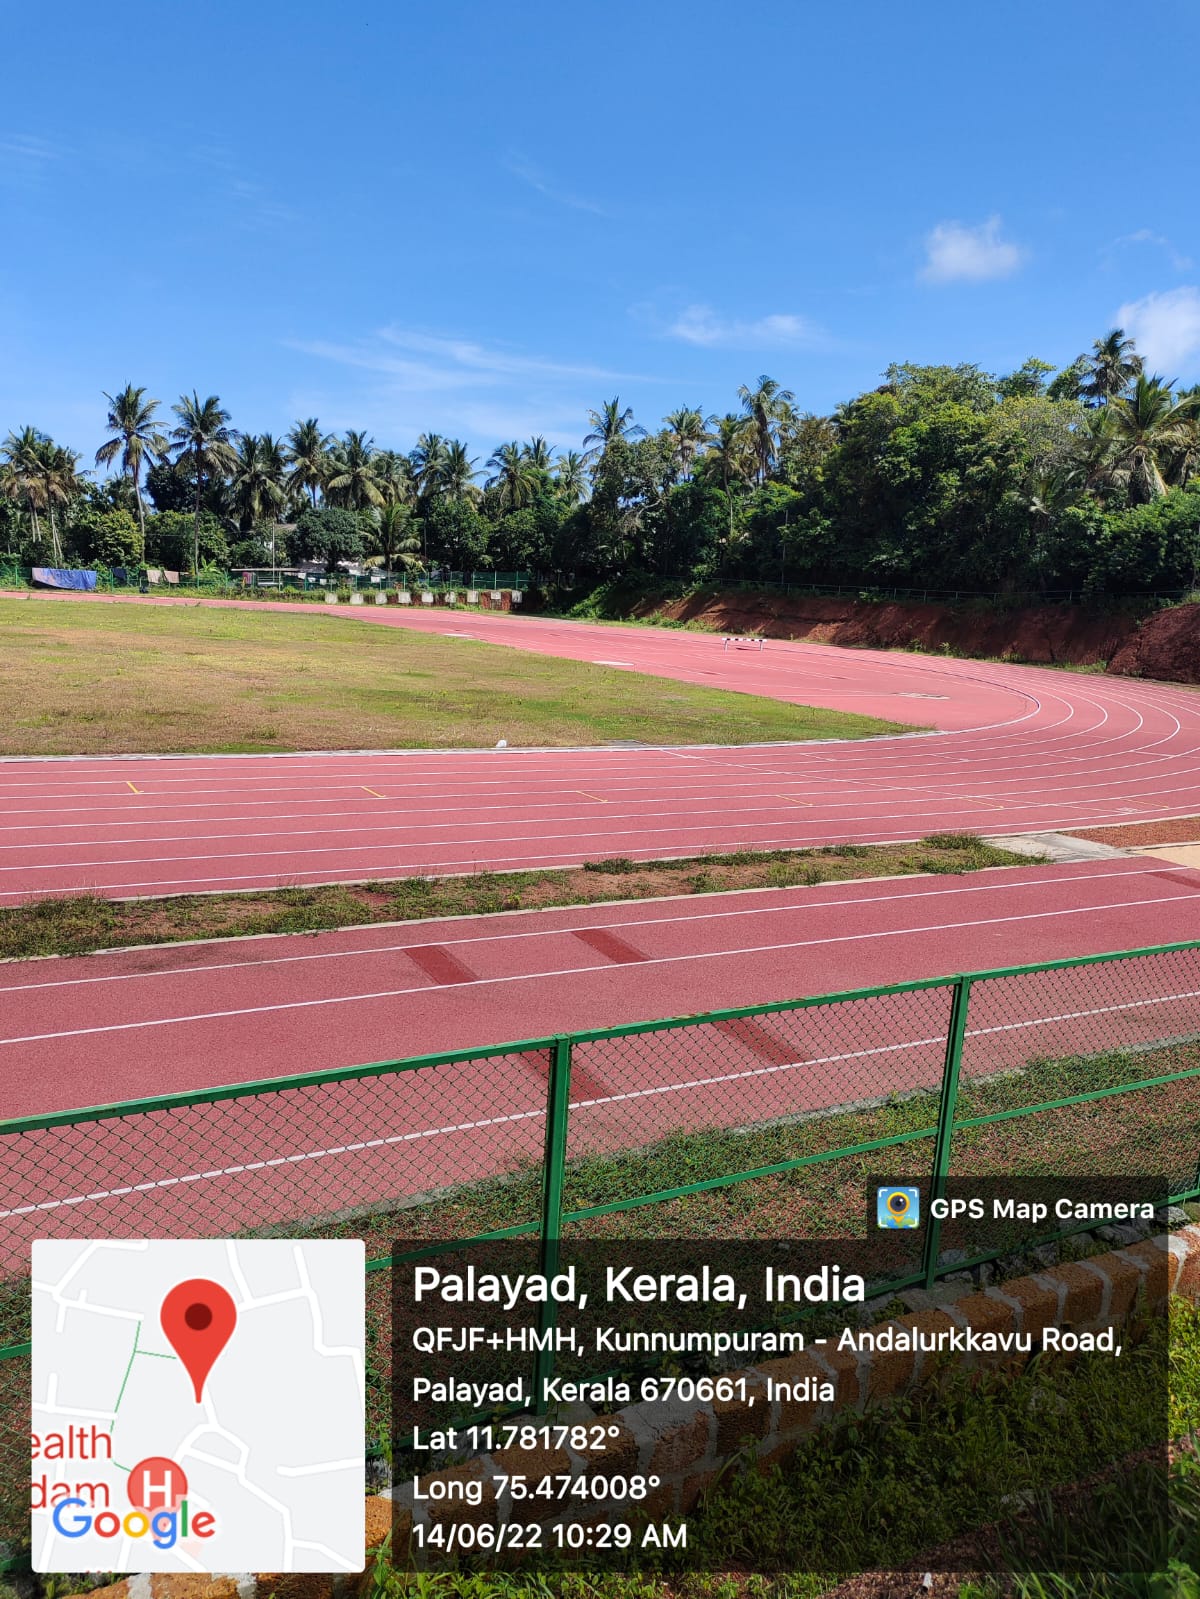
x: 85, y: 679
x: 80, y: 924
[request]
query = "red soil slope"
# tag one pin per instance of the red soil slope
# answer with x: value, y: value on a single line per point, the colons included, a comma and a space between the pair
x: 1166, y: 645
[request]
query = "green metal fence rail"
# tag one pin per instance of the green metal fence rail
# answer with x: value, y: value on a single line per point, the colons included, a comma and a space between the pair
x: 753, y: 1121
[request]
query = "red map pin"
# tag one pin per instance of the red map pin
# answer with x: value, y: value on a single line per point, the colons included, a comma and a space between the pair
x: 198, y: 1318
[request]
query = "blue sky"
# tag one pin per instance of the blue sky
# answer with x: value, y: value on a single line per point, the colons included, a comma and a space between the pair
x: 481, y: 220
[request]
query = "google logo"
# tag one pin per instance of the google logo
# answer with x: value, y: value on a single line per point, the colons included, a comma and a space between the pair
x: 164, y: 1527
x: 158, y: 1493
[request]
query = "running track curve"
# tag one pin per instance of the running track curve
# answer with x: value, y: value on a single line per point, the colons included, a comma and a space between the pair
x: 1016, y: 749
x: 182, y: 1017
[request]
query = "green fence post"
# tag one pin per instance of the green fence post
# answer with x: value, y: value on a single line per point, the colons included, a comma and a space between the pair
x: 951, y: 1068
x: 558, y: 1099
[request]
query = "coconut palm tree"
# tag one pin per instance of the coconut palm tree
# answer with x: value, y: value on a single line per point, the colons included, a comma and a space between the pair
x: 61, y: 483
x: 570, y: 478
x: 21, y: 473
x: 396, y: 537
x: 394, y: 473
x: 1139, y: 434
x: 609, y: 423
x: 135, y: 437
x: 516, y: 478
x: 456, y: 472
x: 767, y: 407
x: 1110, y: 368
x: 306, y: 452
x: 687, y: 429
x: 256, y: 488
x: 427, y: 461
x: 206, y: 442
x: 353, y: 481
x: 731, y: 456
x: 1185, y: 462
x: 537, y: 452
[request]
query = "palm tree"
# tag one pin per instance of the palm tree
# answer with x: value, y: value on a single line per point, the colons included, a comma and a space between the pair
x: 731, y: 457
x: 537, y: 452
x: 206, y: 441
x: 20, y: 465
x: 570, y: 479
x: 398, y: 543
x: 135, y: 436
x: 307, y: 454
x: 1110, y: 368
x: 1185, y: 462
x: 456, y: 472
x: 608, y: 424
x: 394, y: 474
x: 427, y: 461
x: 516, y: 477
x: 60, y: 483
x: 353, y: 481
x: 687, y: 429
x: 1140, y: 432
x: 768, y: 407
x: 256, y: 488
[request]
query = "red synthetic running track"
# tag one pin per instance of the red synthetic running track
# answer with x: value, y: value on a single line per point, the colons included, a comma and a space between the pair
x: 1021, y: 750
x: 173, y: 1018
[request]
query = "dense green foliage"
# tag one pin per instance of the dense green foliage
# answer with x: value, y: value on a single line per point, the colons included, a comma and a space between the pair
x: 940, y: 477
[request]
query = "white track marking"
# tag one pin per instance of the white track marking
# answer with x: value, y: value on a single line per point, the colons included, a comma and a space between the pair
x: 538, y: 1113
x: 578, y: 971
x: 629, y: 926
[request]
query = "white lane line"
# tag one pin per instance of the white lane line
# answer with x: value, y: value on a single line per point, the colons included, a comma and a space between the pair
x: 838, y: 790
x: 578, y: 971
x: 860, y: 806
x: 829, y: 794
x: 599, y: 835
x: 469, y: 864
x: 1121, y: 869
x: 826, y: 806
x: 538, y: 1113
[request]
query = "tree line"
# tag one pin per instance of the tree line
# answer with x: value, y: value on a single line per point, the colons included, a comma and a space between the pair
x: 1084, y: 478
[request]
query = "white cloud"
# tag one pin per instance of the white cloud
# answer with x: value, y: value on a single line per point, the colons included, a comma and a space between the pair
x: 1145, y: 236
x: 411, y: 382
x: 700, y: 324
x: 956, y: 253
x: 26, y: 160
x: 531, y: 175
x: 423, y: 361
x: 1166, y: 329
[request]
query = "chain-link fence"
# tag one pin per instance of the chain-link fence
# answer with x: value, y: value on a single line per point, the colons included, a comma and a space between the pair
x: 761, y: 1122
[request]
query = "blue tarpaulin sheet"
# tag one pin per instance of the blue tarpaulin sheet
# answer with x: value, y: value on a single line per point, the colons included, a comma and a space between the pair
x: 61, y: 577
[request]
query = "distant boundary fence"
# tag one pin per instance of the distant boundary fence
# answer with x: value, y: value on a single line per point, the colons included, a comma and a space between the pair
x: 130, y: 579
x: 12, y: 574
x: 801, y: 1101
